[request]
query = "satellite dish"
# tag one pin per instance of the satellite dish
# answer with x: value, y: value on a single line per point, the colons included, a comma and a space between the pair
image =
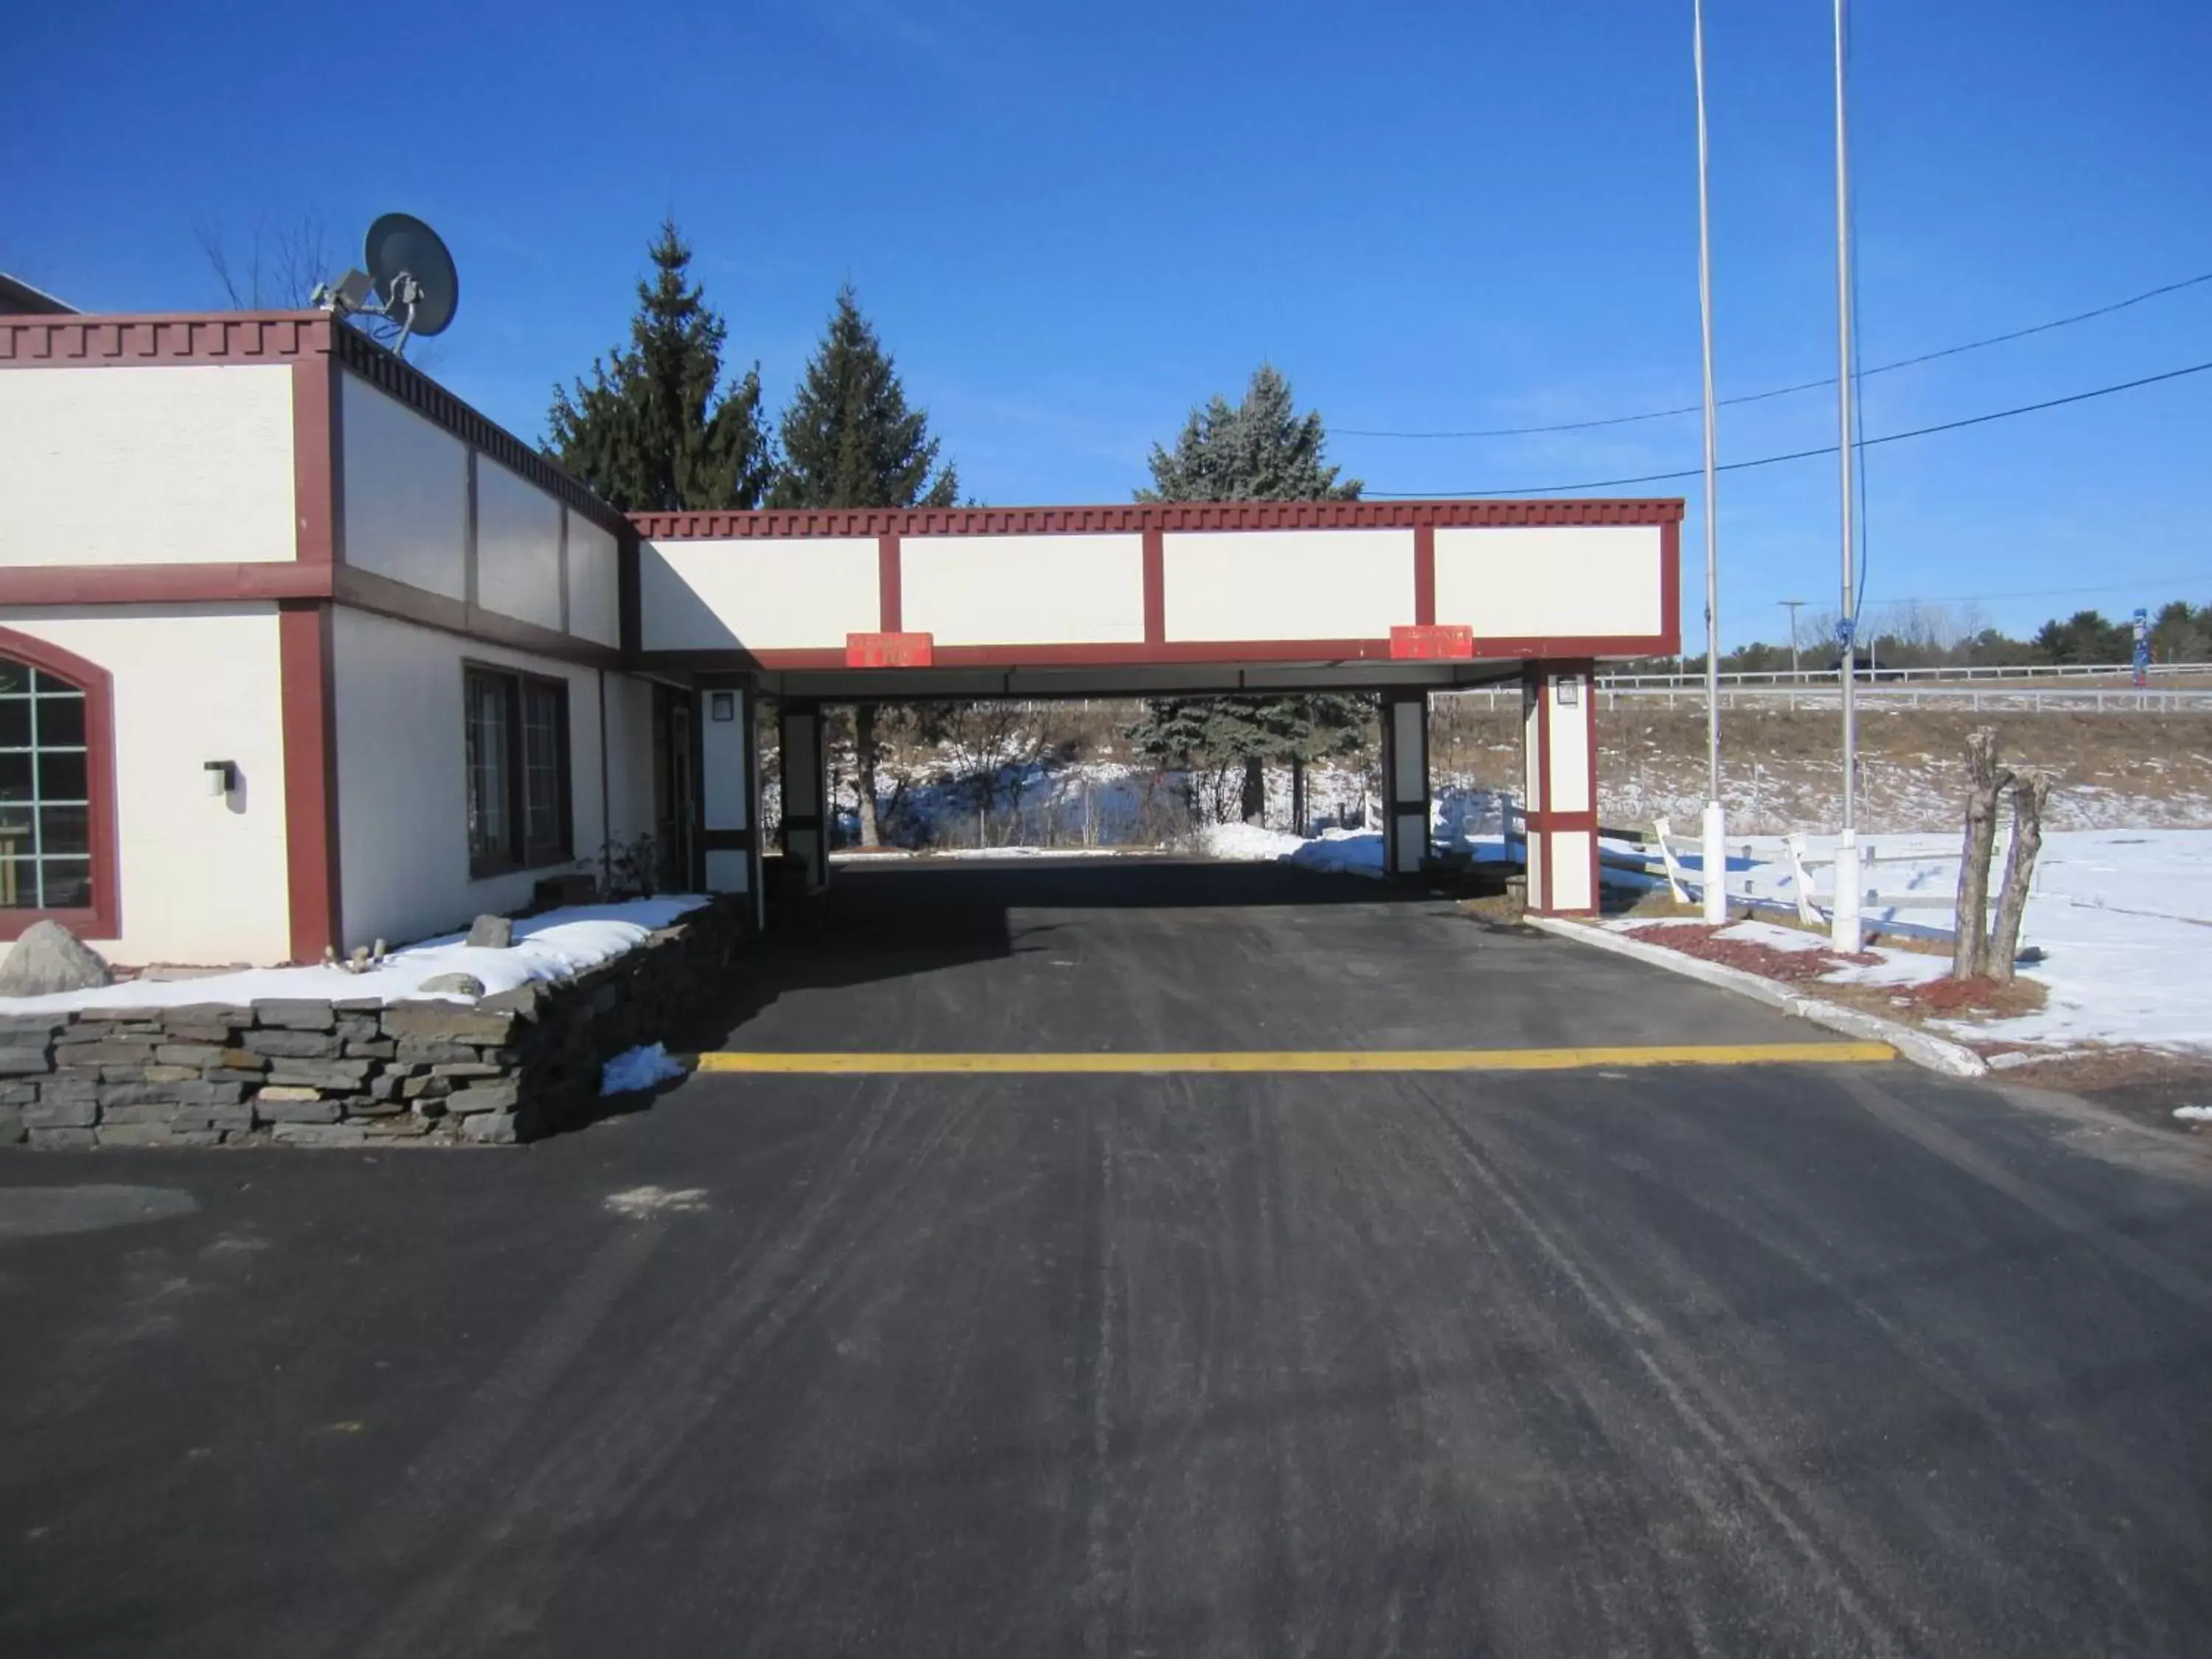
x: 412, y: 273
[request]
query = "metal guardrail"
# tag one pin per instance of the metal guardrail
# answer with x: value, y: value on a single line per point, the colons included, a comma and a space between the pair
x: 1868, y: 677
x: 2040, y: 700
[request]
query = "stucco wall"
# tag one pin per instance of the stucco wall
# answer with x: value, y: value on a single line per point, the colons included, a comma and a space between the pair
x: 763, y: 595
x: 1552, y: 581
x: 1286, y: 583
x: 202, y: 877
x: 403, y: 794
x: 594, y: 586
x: 182, y: 464
x: 996, y: 590
x: 629, y: 758
x: 406, y: 492
x: 517, y: 547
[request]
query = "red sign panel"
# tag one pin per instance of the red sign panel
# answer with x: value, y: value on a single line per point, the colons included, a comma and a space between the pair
x: 887, y: 650
x: 1433, y: 640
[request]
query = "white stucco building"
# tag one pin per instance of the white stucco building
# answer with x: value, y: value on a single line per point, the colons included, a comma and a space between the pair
x: 298, y: 651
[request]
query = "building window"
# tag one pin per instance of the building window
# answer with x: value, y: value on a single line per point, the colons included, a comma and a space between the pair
x: 517, y: 728
x: 57, y: 795
x: 45, y: 796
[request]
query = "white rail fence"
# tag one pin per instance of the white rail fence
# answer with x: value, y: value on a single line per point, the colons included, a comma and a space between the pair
x: 1814, y: 904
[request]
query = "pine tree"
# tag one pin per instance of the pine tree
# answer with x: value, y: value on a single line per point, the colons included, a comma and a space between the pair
x: 1260, y: 449
x: 654, y: 430
x: 849, y: 440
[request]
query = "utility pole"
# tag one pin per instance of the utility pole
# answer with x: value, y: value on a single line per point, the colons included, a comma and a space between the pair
x: 1713, y: 854
x: 1793, y: 606
x: 1844, y: 931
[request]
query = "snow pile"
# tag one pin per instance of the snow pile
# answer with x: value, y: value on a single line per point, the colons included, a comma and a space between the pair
x: 554, y: 945
x: 1348, y: 852
x: 1247, y: 842
x: 2194, y: 1114
x: 638, y: 1069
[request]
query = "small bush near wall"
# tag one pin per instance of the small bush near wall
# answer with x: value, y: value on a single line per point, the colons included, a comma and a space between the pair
x: 506, y: 1068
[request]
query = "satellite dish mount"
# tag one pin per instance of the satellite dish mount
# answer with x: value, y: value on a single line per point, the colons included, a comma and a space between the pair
x: 410, y: 281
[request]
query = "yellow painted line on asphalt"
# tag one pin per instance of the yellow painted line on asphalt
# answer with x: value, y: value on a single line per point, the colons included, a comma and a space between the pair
x: 1306, y: 1059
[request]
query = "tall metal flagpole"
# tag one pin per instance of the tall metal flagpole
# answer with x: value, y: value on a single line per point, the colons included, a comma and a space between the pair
x: 1713, y: 851
x: 1846, y: 927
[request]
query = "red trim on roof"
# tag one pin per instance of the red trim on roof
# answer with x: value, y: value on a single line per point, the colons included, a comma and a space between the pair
x: 1138, y: 517
x: 217, y: 337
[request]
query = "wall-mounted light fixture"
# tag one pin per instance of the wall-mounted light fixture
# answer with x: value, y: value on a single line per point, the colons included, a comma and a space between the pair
x: 721, y: 705
x: 221, y: 778
x: 1570, y: 690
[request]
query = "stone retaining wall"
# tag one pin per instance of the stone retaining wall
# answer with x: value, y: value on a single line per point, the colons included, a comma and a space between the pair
x: 347, y: 1073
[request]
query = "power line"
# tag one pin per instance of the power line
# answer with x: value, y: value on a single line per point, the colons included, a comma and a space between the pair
x: 1802, y: 385
x: 1797, y: 454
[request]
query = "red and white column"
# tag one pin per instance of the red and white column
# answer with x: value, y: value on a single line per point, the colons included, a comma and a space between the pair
x: 1404, y: 782
x: 1559, y: 746
x: 729, y: 849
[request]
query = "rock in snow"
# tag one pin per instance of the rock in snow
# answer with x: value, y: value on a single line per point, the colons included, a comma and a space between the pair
x: 467, y: 984
x: 48, y: 958
x: 491, y: 932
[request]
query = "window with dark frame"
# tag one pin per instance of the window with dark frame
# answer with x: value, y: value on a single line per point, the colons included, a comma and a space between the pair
x: 517, y: 730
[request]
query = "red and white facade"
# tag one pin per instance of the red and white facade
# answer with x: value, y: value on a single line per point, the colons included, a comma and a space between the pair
x: 260, y: 539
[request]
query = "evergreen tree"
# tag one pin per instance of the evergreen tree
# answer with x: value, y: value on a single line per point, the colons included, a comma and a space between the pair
x: 849, y: 440
x: 1260, y: 449
x: 654, y: 430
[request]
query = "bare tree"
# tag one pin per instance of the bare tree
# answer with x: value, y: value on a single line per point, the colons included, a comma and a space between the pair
x: 277, y: 268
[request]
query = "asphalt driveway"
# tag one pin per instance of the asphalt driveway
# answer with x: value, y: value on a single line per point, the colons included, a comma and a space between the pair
x: 1745, y: 1359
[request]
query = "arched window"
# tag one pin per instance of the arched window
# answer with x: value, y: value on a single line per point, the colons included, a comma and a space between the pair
x: 57, y: 792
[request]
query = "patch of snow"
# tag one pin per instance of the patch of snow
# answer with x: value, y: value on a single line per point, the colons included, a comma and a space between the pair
x: 2194, y: 1114
x: 1345, y: 852
x: 1032, y: 852
x: 557, y: 944
x: 1773, y: 935
x: 637, y: 1069
x: 1248, y: 843
x: 642, y: 1203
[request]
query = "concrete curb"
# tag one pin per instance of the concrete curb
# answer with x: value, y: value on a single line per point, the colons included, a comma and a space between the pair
x: 1935, y: 1053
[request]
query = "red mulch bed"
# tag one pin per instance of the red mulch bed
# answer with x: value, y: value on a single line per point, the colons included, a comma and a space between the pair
x: 1768, y: 961
x: 1980, y: 995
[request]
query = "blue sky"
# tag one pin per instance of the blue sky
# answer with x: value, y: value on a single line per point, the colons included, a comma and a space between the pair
x: 1072, y: 223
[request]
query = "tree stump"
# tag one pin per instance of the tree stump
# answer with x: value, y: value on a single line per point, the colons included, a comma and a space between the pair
x: 2031, y: 791
x: 1970, y: 955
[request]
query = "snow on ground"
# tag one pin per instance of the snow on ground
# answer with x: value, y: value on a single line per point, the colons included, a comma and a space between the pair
x: 554, y: 946
x: 2123, y: 918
